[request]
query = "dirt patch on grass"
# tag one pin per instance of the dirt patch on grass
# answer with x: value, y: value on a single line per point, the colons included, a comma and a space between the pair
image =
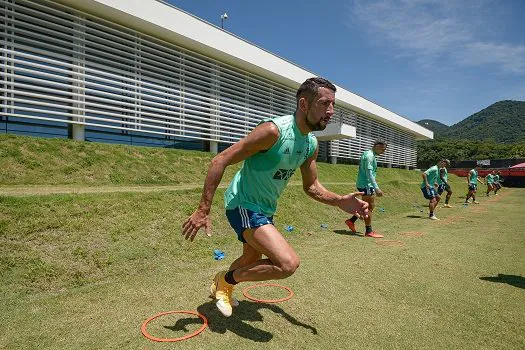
x: 390, y: 243
x: 412, y: 234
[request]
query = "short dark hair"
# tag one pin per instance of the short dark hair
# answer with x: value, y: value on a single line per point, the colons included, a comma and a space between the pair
x: 310, y: 87
x: 380, y: 142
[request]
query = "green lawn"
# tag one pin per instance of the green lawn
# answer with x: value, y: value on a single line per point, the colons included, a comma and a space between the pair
x: 84, y: 270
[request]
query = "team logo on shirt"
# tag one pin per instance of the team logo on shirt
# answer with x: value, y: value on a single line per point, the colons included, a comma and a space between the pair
x: 283, y: 174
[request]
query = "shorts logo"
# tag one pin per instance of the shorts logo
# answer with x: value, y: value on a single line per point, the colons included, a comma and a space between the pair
x: 286, y: 151
x: 283, y: 174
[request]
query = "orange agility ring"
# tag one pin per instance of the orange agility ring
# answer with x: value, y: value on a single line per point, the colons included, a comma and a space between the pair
x: 245, y: 292
x: 149, y: 336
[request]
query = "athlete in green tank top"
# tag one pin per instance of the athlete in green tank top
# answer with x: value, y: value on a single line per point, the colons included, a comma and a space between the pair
x: 443, y: 184
x: 270, y: 170
x: 430, y: 177
x: 497, y: 182
x: 472, y: 180
x: 366, y: 183
x: 443, y: 176
x: 489, y: 180
x: 271, y: 153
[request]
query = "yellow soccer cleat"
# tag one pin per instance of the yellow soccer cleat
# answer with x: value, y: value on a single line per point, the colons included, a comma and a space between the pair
x: 213, y: 289
x: 223, y: 294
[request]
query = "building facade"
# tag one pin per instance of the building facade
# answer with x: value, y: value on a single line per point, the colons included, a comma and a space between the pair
x: 108, y: 71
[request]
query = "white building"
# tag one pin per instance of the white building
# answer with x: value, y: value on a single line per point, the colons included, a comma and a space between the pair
x: 144, y: 72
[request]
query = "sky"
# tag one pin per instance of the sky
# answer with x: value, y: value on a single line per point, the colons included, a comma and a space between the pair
x: 422, y: 59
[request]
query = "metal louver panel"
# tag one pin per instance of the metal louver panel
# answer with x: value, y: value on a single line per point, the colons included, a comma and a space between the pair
x: 61, y: 67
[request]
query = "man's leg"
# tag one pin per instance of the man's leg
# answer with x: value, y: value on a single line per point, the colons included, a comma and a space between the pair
x: 282, y: 262
x: 369, y: 232
x: 432, y: 204
x: 248, y: 257
x: 469, y: 194
x: 447, y: 198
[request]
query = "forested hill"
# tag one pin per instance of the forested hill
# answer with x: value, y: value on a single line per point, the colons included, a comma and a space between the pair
x: 501, y: 122
x: 504, y: 122
x: 438, y: 128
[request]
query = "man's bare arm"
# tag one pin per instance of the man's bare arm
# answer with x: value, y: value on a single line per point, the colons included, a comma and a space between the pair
x: 314, y: 189
x: 259, y: 139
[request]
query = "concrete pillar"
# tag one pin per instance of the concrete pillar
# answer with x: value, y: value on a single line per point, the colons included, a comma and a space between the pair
x: 214, y: 147
x: 333, y: 160
x: 389, y: 165
x: 78, y: 132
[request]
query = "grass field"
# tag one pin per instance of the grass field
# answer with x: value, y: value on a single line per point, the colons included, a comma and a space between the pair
x: 90, y: 247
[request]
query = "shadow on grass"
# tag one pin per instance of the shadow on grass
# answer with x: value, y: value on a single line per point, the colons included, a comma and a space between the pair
x: 417, y: 216
x: 349, y: 233
x: 513, y: 280
x: 246, y: 311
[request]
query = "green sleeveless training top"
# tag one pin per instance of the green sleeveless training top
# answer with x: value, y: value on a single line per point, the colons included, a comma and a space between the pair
x: 473, y: 177
x: 445, y: 176
x: 263, y: 176
x: 432, y: 176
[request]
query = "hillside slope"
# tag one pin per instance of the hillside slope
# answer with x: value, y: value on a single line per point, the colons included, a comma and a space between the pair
x: 503, y: 122
x: 438, y: 128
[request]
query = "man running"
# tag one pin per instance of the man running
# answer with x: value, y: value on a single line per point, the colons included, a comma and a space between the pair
x: 489, y: 179
x: 271, y: 152
x: 443, y: 184
x: 472, y: 181
x: 430, y: 177
x: 366, y: 183
x: 497, y: 182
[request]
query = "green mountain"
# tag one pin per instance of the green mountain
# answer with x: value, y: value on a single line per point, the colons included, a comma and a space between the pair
x: 438, y: 128
x: 503, y: 122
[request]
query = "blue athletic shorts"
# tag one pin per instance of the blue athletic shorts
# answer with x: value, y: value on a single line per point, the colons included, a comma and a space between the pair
x: 442, y: 188
x: 369, y: 191
x: 241, y: 219
x: 472, y: 187
x: 429, y: 193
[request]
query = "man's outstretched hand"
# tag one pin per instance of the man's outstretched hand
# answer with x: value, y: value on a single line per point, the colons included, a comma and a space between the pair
x: 353, y: 205
x: 194, y: 223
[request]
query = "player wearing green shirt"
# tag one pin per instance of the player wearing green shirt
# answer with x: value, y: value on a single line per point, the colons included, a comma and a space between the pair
x: 497, y: 182
x: 489, y: 180
x: 472, y: 181
x: 271, y: 152
x: 430, y: 177
x: 443, y: 184
x: 366, y: 183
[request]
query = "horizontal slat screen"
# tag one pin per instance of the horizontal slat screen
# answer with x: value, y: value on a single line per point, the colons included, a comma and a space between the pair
x: 62, y: 67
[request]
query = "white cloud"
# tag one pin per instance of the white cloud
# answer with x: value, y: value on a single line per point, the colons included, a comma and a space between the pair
x: 437, y: 29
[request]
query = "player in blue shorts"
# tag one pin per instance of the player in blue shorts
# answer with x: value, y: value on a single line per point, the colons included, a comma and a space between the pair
x: 489, y: 180
x: 443, y: 184
x: 430, y: 177
x: 271, y: 152
x: 497, y: 182
x: 366, y: 183
x: 472, y: 181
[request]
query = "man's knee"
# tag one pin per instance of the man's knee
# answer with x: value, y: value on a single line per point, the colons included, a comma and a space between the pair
x: 289, y: 265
